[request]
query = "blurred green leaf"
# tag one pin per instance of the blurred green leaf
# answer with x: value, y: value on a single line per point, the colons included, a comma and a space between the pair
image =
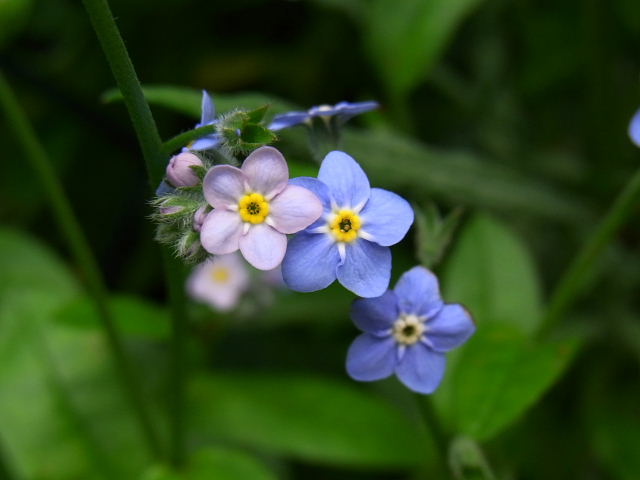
x: 305, y: 417
x: 497, y: 376
x: 404, y: 165
x: 434, y: 233
x: 405, y: 39
x: 134, y: 316
x: 491, y: 272
x: 215, y: 463
x: 13, y: 17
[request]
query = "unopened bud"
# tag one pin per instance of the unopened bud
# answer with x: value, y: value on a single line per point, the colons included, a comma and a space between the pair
x: 179, y: 171
x: 198, y: 218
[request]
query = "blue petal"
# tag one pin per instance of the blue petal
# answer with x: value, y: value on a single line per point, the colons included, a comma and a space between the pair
x: 634, y: 129
x: 418, y: 292
x: 421, y: 369
x: 386, y: 217
x: 347, y: 182
x: 164, y: 189
x: 310, y: 262
x: 366, y: 269
x: 346, y: 110
x: 317, y: 187
x: 375, y: 315
x: 450, y: 328
x: 208, y: 109
x: 205, y: 143
x: 371, y: 358
x: 289, y: 119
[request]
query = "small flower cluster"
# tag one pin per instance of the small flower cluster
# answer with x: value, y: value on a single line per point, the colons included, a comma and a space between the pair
x: 318, y: 230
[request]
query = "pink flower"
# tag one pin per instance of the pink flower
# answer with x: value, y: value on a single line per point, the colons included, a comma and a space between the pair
x: 254, y: 209
x: 219, y: 281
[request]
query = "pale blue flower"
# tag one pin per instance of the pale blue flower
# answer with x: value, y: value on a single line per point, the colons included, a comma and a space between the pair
x: 207, y: 117
x: 342, y: 112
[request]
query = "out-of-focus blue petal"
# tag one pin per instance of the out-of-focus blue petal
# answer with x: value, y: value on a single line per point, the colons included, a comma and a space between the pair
x: 450, y: 328
x: 375, y: 315
x: 208, y: 114
x: 421, y: 369
x: 289, y: 119
x: 317, y: 187
x: 366, y: 269
x: 386, y: 217
x: 347, y: 182
x: 346, y: 110
x: 164, y: 189
x: 634, y: 128
x: 205, y: 143
x: 310, y: 262
x: 371, y: 358
x: 418, y: 293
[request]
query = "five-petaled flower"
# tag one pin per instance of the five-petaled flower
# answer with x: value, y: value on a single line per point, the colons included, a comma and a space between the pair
x: 407, y: 332
x: 350, y: 241
x: 634, y: 128
x: 207, y: 117
x: 342, y: 111
x: 219, y: 281
x: 254, y: 209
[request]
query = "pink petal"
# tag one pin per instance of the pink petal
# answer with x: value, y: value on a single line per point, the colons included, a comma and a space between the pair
x: 263, y: 247
x: 266, y: 171
x: 294, y: 209
x: 221, y: 232
x: 223, y: 185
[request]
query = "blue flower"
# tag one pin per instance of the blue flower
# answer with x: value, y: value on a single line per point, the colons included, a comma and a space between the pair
x: 634, y: 129
x: 207, y: 117
x: 407, y: 332
x: 350, y: 240
x: 342, y: 111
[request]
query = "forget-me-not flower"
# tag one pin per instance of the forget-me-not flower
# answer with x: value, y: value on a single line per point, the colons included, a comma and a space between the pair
x: 219, y: 282
x: 351, y: 240
x: 342, y: 111
x: 634, y: 128
x: 407, y: 332
x: 254, y: 209
x: 207, y: 117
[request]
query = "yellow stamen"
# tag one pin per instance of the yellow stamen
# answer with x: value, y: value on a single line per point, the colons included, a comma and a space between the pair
x: 220, y: 274
x: 253, y: 208
x: 345, y: 225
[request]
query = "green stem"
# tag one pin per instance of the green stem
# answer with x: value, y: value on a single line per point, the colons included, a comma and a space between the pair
x: 185, y: 138
x: 433, y: 425
x: 155, y: 160
x: 79, y: 247
x: 571, y: 284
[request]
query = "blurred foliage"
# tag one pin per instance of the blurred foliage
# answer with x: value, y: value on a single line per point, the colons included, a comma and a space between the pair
x: 516, y: 111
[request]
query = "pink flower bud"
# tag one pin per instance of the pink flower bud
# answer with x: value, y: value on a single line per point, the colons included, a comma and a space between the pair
x: 179, y: 172
x: 198, y: 218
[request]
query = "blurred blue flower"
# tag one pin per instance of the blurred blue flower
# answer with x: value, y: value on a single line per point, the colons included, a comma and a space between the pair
x: 407, y: 332
x: 207, y: 117
x: 342, y: 111
x: 350, y: 240
x: 634, y: 128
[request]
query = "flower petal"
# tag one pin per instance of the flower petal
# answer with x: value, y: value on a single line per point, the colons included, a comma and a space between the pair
x: 310, y: 262
x: 220, y: 232
x: 347, y: 182
x: 294, y: 209
x: 374, y: 315
x: 634, y: 128
x: 366, y: 269
x: 386, y: 217
x: 219, y: 294
x: 263, y: 247
x: 205, y: 143
x: 317, y: 187
x: 223, y: 186
x: 418, y: 292
x: 266, y: 171
x: 421, y: 369
x: 208, y: 109
x: 371, y: 358
x: 450, y: 328
x: 289, y: 119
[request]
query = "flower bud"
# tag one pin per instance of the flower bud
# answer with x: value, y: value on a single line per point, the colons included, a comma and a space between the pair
x: 179, y: 171
x: 198, y: 218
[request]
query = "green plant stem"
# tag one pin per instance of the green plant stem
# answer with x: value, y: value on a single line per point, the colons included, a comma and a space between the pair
x: 437, y: 432
x: 185, y: 138
x: 155, y: 160
x: 80, y: 250
x: 570, y: 286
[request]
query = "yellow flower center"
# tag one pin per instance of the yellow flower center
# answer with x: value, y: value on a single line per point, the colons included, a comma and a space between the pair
x: 253, y: 208
x: 220, y: 274
x: 345, y: 225
x: 408, y: 329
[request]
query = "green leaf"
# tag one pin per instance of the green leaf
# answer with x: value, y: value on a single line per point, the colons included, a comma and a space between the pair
x: 134, y: 316
x: 14, y: 15
x: 406, y: 39
x: 405, y: 166
x: 496, y: 377
x: 305, y: 417
x: 215, y: 463
x: 257, y: 134
x: 257, y: 115
x: 492, y: 274
x: 434, y: 233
